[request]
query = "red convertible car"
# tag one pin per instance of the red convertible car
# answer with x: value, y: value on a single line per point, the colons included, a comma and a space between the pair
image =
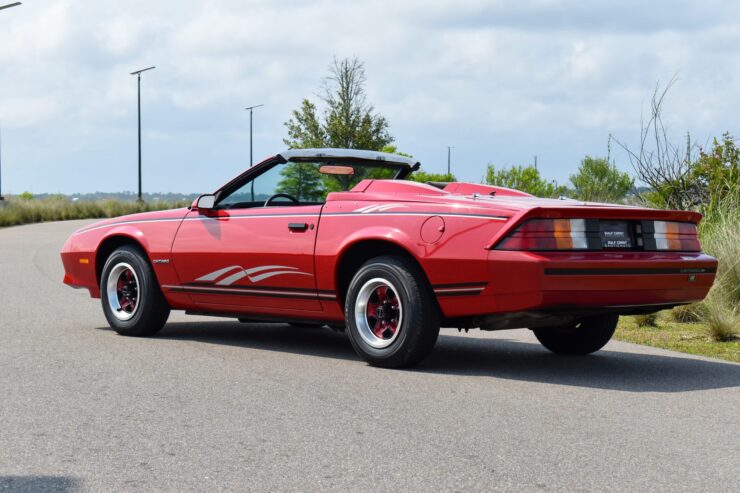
x: 340, y: 237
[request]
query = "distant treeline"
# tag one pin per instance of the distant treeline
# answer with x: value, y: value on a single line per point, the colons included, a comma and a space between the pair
x: 120, y: 196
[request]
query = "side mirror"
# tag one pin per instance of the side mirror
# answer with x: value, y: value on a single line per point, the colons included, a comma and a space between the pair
x: 205, y: 202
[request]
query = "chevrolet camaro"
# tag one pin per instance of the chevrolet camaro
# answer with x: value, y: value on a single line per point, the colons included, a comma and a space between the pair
x: 342, y: 238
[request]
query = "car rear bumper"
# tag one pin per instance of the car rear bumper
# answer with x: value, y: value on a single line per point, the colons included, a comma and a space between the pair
x: 557, y: 281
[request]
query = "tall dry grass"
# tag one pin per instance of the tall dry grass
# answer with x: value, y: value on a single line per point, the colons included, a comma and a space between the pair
x: 17, y: 211
x: 720, y: 237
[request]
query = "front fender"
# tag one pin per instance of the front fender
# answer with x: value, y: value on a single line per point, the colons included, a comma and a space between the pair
x: 81, y: 254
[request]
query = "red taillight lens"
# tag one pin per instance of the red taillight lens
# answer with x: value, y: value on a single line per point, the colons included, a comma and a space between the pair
x: 670, y: 236
x: 548, y: 234
x: 604, y: 235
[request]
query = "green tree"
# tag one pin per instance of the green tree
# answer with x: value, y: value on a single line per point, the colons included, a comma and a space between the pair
x: 424, y: 177
x: 305, y: 129
x: 523, y: 178
x: 303, y: 181
x: 599, y: 180
x: 391, y: 149
x: 717, y: 171
x: 347, y: 119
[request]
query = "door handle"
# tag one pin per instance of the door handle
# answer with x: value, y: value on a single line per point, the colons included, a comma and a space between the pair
x: 297, y: 226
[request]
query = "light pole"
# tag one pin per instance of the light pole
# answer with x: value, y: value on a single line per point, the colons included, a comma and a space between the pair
x: 1, y: 167
x: 449, y: 152
x: 251, y: 108
x: 138, y: 76
x: 251, y: 157
x: 3, y: 7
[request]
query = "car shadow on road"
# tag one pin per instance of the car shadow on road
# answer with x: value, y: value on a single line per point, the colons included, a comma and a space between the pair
x: 499, y: 358
x: 32, y: 484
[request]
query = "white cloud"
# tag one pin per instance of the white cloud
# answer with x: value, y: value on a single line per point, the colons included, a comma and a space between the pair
x: 499, y: 80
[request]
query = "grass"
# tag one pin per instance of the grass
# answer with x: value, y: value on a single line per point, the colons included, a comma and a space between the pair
x: 647, y: 320
x: 17, y: 211
x: 692, y: 338
x: 687, y: 313
x: 721, y: 318
x: 720, y: 237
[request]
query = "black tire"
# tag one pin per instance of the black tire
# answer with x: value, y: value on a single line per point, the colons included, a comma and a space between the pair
x: 586, y: 337
x: 150, y: 311
x: 418, y: 321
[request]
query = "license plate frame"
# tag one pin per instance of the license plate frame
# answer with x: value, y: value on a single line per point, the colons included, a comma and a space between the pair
x: 616, y: 235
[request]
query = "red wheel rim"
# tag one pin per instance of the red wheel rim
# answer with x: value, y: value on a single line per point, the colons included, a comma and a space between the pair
x: 382, y: 312
x: 127, y: 290
x: 123, y: 291
x: 378, y: 313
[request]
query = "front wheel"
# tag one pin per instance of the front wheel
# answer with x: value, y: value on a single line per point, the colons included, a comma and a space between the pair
x: 132, y: 301
x: 587, y: 336
x: 391, y: 316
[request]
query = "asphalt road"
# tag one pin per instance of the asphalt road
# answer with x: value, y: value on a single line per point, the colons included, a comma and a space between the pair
x: 216, y: 405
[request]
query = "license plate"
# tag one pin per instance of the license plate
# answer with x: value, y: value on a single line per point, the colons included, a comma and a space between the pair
x: 615, y: 234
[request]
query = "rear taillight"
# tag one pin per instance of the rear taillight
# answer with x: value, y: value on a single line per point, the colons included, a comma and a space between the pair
x: 602, y: 235
x: 669, y: 236
x: 551, y: 234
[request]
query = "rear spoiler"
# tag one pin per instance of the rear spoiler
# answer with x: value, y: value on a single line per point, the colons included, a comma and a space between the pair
x: 460, y: 188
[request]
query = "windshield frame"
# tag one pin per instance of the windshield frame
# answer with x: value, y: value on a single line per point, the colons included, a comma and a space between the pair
x: 402, y: 170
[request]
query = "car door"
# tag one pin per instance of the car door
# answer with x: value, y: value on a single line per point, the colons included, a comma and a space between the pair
x: 250, y: 255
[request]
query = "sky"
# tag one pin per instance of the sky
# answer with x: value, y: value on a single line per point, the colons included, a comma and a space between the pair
x: 500, y: 81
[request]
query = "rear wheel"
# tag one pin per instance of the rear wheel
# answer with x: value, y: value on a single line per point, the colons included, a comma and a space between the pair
x: 132, y: 301
x: 587, y: 336
x: 391, y: 317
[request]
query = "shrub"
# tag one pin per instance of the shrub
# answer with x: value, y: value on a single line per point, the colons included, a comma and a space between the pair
x: 647, y: 320
x: 720, y: 237
x: 599, y: 180
x: 524, y: 178
x: 722, y: 319
x: 23, y: 211
x: 687, y: 313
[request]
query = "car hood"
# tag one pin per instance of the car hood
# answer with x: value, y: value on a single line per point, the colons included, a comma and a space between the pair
x: 168, y: 214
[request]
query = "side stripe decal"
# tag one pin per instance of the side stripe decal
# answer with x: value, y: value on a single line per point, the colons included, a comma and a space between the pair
x: 267, y: 216
x: 250, y: 291
x: 460, y: 289
x: 464, y: 289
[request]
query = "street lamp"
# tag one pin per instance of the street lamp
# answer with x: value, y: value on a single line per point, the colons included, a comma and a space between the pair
x: 3, y: 7
x: 1, y: 167
x: 138, y: 75
x: 449, y: 152
x: 251, y: 159
x: 251, y: 108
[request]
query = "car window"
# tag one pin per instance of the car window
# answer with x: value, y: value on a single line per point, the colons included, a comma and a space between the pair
x: 308, y: 183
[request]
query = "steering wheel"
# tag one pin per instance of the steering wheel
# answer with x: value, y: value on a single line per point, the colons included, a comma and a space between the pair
x: 281, y: 196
